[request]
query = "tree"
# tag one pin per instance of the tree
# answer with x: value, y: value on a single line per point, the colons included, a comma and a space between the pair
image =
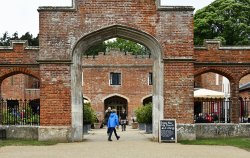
x: 32, y: 41
x: 122, y: 44
x: 5, y: 40
x: 227, y: 20
x: 128, y: 46
x: 95, y: 49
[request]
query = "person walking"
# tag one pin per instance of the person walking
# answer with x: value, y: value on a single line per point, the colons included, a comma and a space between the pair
x: 123, y: 121
x: 106, y: 117
x: 113, y: 122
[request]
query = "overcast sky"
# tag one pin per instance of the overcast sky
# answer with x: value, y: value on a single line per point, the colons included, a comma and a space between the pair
x: 21, y: 15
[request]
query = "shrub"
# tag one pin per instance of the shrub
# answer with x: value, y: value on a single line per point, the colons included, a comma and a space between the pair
x: 88, y: 114
x: 144, y: 114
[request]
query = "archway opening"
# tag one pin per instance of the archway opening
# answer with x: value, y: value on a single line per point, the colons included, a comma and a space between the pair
x: 244, y: 93
x: 212, y: 98
x: 117, y: 103
x: 20, y: 100
x: 147, y: 100
x: 94, y: 38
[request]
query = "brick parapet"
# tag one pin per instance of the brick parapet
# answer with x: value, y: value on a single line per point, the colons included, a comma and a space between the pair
x: 213, y: 52
x: 18, y: 53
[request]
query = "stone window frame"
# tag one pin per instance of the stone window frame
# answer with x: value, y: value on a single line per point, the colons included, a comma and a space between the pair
x: 117, y: 83
x: 150, y: 78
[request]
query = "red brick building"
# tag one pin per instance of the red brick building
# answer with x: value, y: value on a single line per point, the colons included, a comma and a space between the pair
x: 66, y: 32
x: 124, y: 83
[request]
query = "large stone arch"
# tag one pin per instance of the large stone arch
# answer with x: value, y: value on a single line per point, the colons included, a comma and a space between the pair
x: 103, y: 34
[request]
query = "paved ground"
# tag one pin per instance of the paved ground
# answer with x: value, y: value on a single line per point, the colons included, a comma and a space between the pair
x: 133, y: 144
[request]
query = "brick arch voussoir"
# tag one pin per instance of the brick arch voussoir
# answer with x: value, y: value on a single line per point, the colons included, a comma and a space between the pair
x: 116, y: 94
x: 18, y: 70
x: 222, y: 71
x: 244, y: 73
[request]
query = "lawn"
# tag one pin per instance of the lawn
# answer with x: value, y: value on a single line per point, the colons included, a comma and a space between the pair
x: 15, y: 142
x: 243, y: 143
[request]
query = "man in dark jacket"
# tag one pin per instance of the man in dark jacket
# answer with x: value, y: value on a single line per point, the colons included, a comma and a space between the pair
x: 106, y: 117
x: 123, y: 121
x: 113, y: 122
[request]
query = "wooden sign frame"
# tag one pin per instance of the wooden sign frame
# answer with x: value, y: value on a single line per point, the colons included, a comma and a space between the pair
x: 175, y: 130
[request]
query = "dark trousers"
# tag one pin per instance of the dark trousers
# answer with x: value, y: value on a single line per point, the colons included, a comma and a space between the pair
x: 123, y: 127
x: 111, y: 129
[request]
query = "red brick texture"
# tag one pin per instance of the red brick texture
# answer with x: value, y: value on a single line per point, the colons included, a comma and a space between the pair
x: 134, y: 79
x: 231, y: 62
x: 55, y: 95
x: 61, y: 29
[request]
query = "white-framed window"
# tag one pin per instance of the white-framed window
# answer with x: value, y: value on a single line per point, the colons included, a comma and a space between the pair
x: 150, y: 78
x: 115, y: 78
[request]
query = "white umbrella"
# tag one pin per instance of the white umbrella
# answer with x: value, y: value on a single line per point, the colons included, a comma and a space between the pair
x: 206, y: 93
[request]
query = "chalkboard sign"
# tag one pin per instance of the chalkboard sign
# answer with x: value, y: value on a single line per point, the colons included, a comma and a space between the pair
x: 167, y: 130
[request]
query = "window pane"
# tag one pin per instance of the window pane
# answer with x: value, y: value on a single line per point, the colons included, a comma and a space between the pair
x: 150, y: 78
x: 115, y: 78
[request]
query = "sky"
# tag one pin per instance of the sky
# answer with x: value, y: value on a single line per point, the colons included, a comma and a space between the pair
x: 21, y: 15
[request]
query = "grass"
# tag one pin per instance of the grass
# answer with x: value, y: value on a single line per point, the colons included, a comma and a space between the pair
x: 20, y: 142
x: 243, y: 143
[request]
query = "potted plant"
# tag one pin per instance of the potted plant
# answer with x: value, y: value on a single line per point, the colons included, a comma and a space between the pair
x: 147, y: 115
x: 88, y: 117
x: 144, y: 117
x: 138, y: 113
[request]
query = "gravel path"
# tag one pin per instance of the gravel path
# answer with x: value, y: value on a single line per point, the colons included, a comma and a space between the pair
x: 133, y: 144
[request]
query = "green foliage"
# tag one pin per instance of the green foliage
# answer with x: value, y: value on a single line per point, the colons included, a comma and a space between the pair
x: 144, y: 113
x: 119, y: 43
x: 14, y: 142
x: 227, y: 20
x: 32, y: 41
x: 237, y: 142
x: 14, y: 117
x: 127, y: 46
x: 88, y: 114
x: 95, y: 49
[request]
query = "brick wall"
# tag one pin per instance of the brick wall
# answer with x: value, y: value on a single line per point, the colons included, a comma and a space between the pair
x: 134, y: 79
x: 19, y: 87
x: 61, y: 28
x: 55, y: 95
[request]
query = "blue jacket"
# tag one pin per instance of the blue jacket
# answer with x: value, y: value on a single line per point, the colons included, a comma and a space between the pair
x: 113, y: 120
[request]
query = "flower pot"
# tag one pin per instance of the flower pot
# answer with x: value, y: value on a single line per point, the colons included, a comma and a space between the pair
x: 86, y: 128
x: 134, y: 125
x: 149, y: 128
x: 97, y: 125
x: 142, y: 126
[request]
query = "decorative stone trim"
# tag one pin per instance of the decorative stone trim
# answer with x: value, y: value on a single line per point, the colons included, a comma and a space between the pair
x: 54, y: 61
x: 19, y: 65
x: 24, y: 42
x: 168, y: 60
x: 116, y: 65
x: 221, y: 64
x: 217, y: 42
x: 72, y: 8
x: 173, y: 8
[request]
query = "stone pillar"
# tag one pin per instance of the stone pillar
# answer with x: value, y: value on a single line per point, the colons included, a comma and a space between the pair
x: 235, y: 106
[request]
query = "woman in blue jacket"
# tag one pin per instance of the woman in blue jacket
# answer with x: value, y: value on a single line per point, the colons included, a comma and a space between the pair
x: 112, y: 123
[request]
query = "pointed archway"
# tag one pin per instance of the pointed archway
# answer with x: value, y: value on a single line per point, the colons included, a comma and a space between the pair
x: 103, y: 34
